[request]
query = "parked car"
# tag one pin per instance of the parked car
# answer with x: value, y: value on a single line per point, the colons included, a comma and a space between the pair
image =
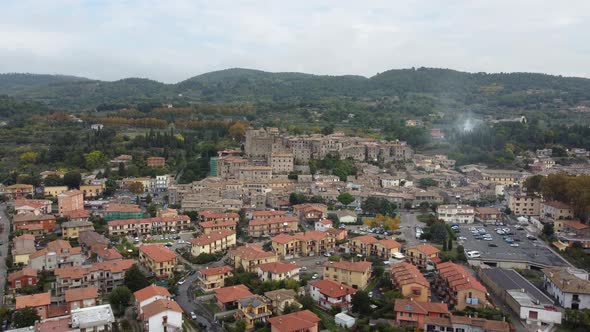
x: 303, y: 268
x: 315, y: 276
x: 193, y: 315
x: 492, y: 245
x: 181, y: 281
x: 514, y: 245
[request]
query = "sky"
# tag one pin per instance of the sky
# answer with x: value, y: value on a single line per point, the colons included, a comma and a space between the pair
x: 173, y: 40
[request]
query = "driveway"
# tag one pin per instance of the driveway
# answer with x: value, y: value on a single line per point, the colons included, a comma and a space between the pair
x: 3, y: 249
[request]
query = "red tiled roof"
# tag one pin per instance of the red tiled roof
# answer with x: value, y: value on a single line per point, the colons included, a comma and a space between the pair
x: 205, y: 239
x: 332, y: 288
x: 151, y: 291
x: 78, y: 294
x: 159, y: 306
x: 250, y: 252
x: 576, y: 225
x: 215, y: 270
x: 271, y: 221
x: 232, y: 293
x: 418, y: 307
x: 296, y: 321
x: 33, y: 301
x: 112, y: 207
x: 278, y: 267
x: 157, y: 252
x: 25, y: 272
x: 350, y: 266
x: 390, y: 244
x: 267, y: 213
x: 426, y: 249
x: 108, y: 254
x: 557, y: 205
x: 79, y: 272
x: 366, y: 239
x: 167, y: 219
x: 217, y: 223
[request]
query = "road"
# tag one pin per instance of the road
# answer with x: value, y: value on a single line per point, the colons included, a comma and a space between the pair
x: 3, y: 248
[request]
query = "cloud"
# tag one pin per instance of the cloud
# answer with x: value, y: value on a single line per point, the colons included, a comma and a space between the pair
x: 176, y: 39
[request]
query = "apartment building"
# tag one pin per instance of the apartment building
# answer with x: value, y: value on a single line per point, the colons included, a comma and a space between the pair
x: 158, y: 259
x: 277, y: 271
x: 312, y: 243
x: 457, y: 287
x: 281, y: 163
x: 253, y: 310
x: 72, y: 229
x: 105, y: 276
x: 79, y: 298
x: 354, y: 274
x: 250, y: 256
x: 522, y: 204
x: 148, y: 225
x: 115, y: 211
x: 328, y: 293
x: 413, y: 314
x: 556, y: 210
x: 209, y: 279
x: 209, y: 216
x: 19, y: 190
x: 213, y: 242
x: 34, y: 224
x: 272, y: 226
x: 150, y: 294
x: 368, y: 245
x: 39, y: 302
x: 70, y: 201
x: 57, y: 254
x: 456, y: 214
x: 488, y: 215
x: 22, y: 248
x: 423, y: 255
x: 410, y: 281
x: 310, y: 212
x: 34, y: 206
x: 304, y: 320
x: 254, y: 173
x: 568, y: 286
x: 155, y: 162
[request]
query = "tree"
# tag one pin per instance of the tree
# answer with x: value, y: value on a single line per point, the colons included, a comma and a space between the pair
x: 532, y: 184
x: 439, y: 232
x: 237, y: 130
x: 152, y: 209
x: 361, y: 302
x: 25, y: 317
x: 73, y: 180
x: 427, y: 182
x: 388, y: 223
x: 376, y: 205
x: 119, y: 299
x: 122, y: 170
x: 53, y: 180
x: 240, y: 326
x: 345, y: 198
x: 461, y: 257
x: 548, y: 230
x: 94, y: 159
x: 135, y: 279
x: 289, y: 308
x: 28, y: 157
x: 136, y: 187
x: 148, y: 198
x: 110, y: 186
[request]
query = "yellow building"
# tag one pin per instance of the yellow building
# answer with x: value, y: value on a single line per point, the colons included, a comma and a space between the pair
x: 250, y: 256
x: 423, y: 254
x: 92, y: 190
x: 370, y: 246
x: 522, y: 204
x: 23, y: 247
x: 72, y: 229
x: 313, y: 243
x: 254, y: 309
x: 213, y: 278
x: 354, y: 274
x: 213, y: 242
x: 410, y: 282
x: 54, y: 191
x: 157, y: 259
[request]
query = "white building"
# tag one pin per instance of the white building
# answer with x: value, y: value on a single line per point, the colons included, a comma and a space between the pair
x: 98, y: 318
x: 276, y: 271
x: 456, y: 214
x: 328, y: 293
x: 96, y: 126
x: 346, y: 216
x: 150, y: 294
x: 531, y: 310
x: 160, y: 183
x: 162, y: 315
x: 343, y: 320
x: 568, y: 286
x: 323, y: 225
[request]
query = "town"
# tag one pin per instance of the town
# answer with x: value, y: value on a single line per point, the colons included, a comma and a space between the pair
x: 299, y: 233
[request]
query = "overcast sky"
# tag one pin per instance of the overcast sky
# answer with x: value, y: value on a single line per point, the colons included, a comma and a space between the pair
x: 173, y: 40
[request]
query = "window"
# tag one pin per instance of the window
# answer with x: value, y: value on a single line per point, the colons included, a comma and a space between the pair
x: 533, y: 314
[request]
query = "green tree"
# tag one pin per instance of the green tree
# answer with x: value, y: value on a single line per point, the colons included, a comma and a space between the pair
x: 73, y: 180
x: 135, y: 279
x: 532, y: 184
x: 548, y: 231
x: 119, y: 299
x: 461, y: 257
x: 345, y: 198
x: 438, y: 232
x: 110, y: 186
x: 25, y: 317
x: 427, y: 182
x: 53, y: 180
x: 28, y: 157
x: 122, y: 171
x: 148, y: 198
x: 136, y: 188
x: 152, y: 209
x: 361, y: 303
x: 94, y: 159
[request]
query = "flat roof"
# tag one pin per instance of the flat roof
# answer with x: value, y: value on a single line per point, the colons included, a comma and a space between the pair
x: 511, y: 280
x: 92, y: 316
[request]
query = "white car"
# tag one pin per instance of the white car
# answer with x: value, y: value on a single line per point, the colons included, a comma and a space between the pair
x: 473, y: 254
x: 315, y: 276
x: 514, y: 245
x: 193, y: 315
x: 488, y: 239
x: 181, y: 281
x: 462, y: 238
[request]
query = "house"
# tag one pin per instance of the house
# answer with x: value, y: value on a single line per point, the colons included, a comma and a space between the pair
x: 122, y: 211
x: 276, y: 271
x: 57, y: 254
x: 35, y: 206
x: 464, y: 323
x: 39, y: 302
x: 70, y: 201
x: 145, y: 226
x: 323, y: 225
x: 34, y: 224
x: 309, y: 212
x: 162, y: 315
x: 228, y: 297
x: 53, y: 191
x: 328, y: 293
x: 122, y: 159
x: 90, y: 240
x: 265, y: 214
x: 410, y: 313
x: 72, y: 229
x: 214, y: 242
x: 253, y: 310
x: 92, y: 190
x: 568, y: 286
x: 488, y: 215
x: 150, y: 294
x: 354, y: 274
x: 410, y: 282
x: 458, y: 288
x: 79, y: 216
x: 556, y: 210
x: 281, y: 298
x: 250, y: 256
x: 423, y: 255
x: 522, y: 204
x: 156, y: 162
x: 158, y: 259
x: 574, y: 231
x: 312, y: 243
x: 78, y: 298
x: 212, y: 226
x: 23, y: 278
x: 45, y: 174
x: 103, y: 275
x: 272, y: 226
x: 22, y: 248
x: 339, y: 234
x: 97, y: 318
x: 19, y: 191
x: 368, y: 245
x: 346, y: 216
x: 304, y: 320
x: 455, y: 214
x: 209, y: 279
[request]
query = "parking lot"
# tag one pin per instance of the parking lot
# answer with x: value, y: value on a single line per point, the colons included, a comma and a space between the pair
x: 498, y: 249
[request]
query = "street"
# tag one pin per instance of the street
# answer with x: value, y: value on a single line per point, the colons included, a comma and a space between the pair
x: 3, y: 248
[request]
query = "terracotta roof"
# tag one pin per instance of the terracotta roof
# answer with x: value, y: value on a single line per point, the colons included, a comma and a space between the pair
x: 20, y: 186
x: 78, y: 294
x: 311, y: 207
x: 215, y: 215
x: 159, y: 306
x: 350, y: 266
x: 281, y: 294
x: 24, y: 237
x: 390, y: 244
x: 25, y: 272
x: 282, y: 238
x: 76, y: 214
x: 76, y: 223
x: 215, y: 270
x: 576, y: 225
x: 34, y: 203
x: 58, y: 245
x: 205, y: 239
x: 426, y: 249
x: 458, y: 277
x: 326, y: 221
x: 486, y: 210
x: 332, y: 288
x: 367, y: 239
x: 157, y: 252
x: 167, y: 219
x: 78, y: 272
x: 113, y: 207
x: 89, y: 238
x: 34, y: 300
x: 438, y: 321
x: 251, y: 252
x: 278, y: 267
x: 267, y: 213
x: 217, y: 223
x: 296, y: 321
x: 406, y: 273
x: 31, y: 217
x: 108, y: 254
x: 418, y: 307
x: 71, y: 193
x: 151, y: 291
x: 557, y: 205
x: 232, y: 293
x: 271, y: 221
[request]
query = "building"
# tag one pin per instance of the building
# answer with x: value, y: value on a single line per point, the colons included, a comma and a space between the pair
x: 277, y: 271
x: 19, y: 191
x: 97, y: 318
x: 572, y: 232
x: 208, y: 216
x: 309, y: 212
x: 250, y: 256
x: 368, y: 245
x: 282, y: 163
x: 79, y: 216
x: 323, y: 225
x: 410, y: 281
x: 79, y: 298
x: 458, y: 288
x: 214, y: 242
x: 34, y: 206
x: 156, y: 162
x: 144, y: 226
x: 354, y: 274
x: 23, y: 278
x: 272, y: 226
x: 282, y: 298
x: 212, y: 226
x: 464, y: 323
x: 90, y: 241
x: 31, y: 223
x: 524, y: 204
x: 107, y: 254
x: 456, y: 214
x: 527, y: 301
x: 253, y: 310
x: 158, y: 259
x: 122, y: 159
x: 162, y: 315
x: 568, y: 286
x: 299, y: 321
x: 104, y: 275
x: 254, y: 173
x: 122, y: 211
x: 92, y: 190
x: 57, y: 254
x: 150, y: 294
x: 72, y: 229
x: 488, y: 215
x: 328, y: 293
x: 209, y: 279
x: 423, y: 255
x: 312, y: 243
x: 70, y: 201
x: 228, y: 297
x: 344, y: 320
x: 410, y: 313
x: 556, y: 210
x: 53, y: 191
x: 39, y: 302
x: 346, y: 216
x: 23, y: 247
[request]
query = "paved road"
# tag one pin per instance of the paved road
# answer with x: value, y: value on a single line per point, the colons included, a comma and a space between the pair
x: 3, y: 248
